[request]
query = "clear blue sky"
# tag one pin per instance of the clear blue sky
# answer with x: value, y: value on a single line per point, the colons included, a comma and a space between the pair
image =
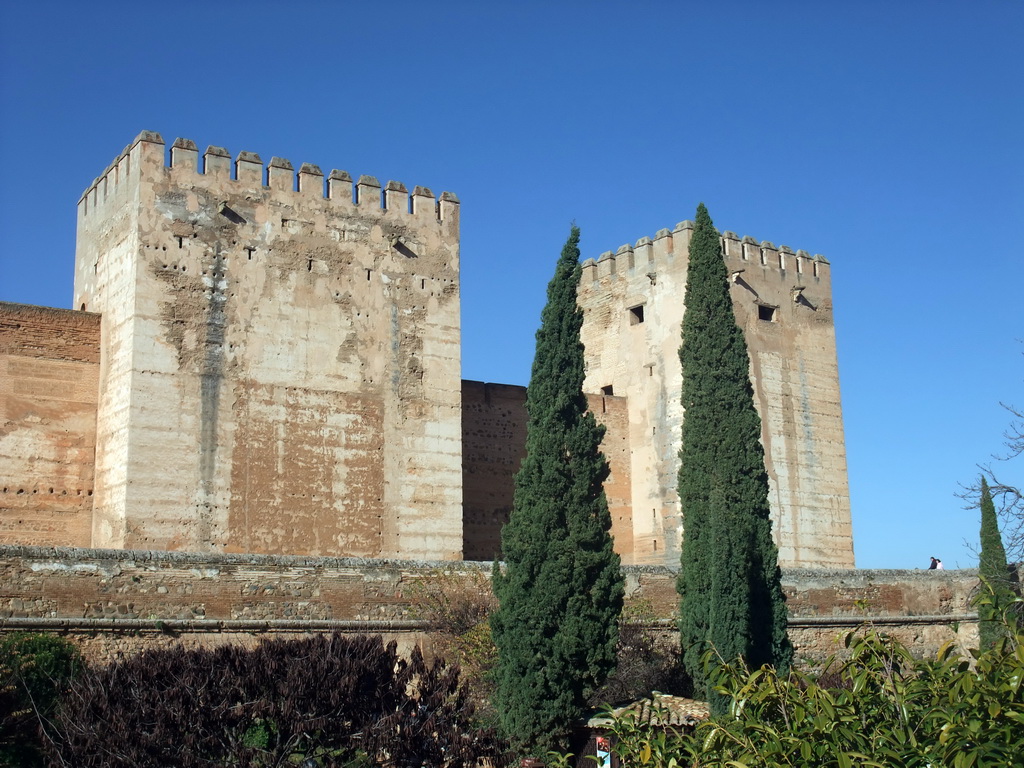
x: 887, y: 136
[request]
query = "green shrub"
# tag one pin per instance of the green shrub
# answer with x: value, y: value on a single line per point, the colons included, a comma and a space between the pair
x: 887, y: 709
x: 34, y: 670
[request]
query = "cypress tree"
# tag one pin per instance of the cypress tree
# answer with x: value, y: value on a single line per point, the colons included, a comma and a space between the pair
x: 561, y: 591
x: 729, y: 582
x: 994, y: 570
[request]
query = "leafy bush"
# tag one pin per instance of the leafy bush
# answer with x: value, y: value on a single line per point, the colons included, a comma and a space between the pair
x: 34, y: 669
x: 331, y: 699
x: 890, y: 709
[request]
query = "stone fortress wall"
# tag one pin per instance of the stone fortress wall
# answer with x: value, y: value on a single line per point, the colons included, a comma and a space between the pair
x: 633, y: 308
x: 274, y: 368
x: 114, y: 602
x: 281, y: 369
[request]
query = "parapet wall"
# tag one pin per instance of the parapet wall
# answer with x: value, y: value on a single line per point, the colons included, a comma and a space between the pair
x: 49, y: 370
x: 248, y: 170
x: 122, y: 601
x: 651, y: 253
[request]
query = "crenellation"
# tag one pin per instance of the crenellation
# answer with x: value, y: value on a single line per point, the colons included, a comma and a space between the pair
x: 606, y: 264
x: 249, y: 168
x: 339, y: 187
x: 217, y: 162
x: 624, y: 257
x: 731, y: 246
x: 448, y: 209
x: 185, y: 154
x: 368, y: 192
x: 681, y: 239
x: 280, y: 174
x: 396, y: 197
x: 751, y: 250
x: 589, y: 272
x: 311, y: 180
x: 424, y: 205
x: 643, y: 253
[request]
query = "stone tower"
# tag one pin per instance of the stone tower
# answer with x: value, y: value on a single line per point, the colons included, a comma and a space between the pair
x: 280, y: 367
x: 633, y: 308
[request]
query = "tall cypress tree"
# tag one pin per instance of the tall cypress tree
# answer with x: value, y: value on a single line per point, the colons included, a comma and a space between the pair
x: 994, y: 569
x: 729, y: 582
x: 561, y: 592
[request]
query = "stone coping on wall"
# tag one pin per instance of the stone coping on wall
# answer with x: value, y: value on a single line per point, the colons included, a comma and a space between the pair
x: 813, y: 595
x: 789, y: 575
x: 113, y: 602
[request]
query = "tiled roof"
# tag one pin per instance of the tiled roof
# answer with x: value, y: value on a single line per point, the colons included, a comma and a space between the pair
x: 659, y: 710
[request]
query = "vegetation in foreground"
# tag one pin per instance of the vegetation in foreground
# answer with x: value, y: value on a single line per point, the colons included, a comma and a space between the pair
x: 729, y: 581
x: 560, y: 593
x: 881, y: 707
x: 35, y: 669
x: 992, y: 567
x: 329, y: 700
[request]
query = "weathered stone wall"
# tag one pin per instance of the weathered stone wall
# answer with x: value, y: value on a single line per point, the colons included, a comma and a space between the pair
x: 278, y: 371
x: 49, y: 369
x: 494, y: 444
x: 115, y: 601
x: 281, y: 369
x: 633, y: 308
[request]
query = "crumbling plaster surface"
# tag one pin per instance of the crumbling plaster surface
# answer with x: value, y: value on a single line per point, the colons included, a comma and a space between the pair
x: 281, y: 368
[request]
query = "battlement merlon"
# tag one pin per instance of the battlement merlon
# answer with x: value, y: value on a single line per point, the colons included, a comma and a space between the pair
x: 148, y: 152
x: 647, y: 254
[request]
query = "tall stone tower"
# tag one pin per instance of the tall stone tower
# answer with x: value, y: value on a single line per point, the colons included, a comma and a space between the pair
x: 633, y: 308
x: 280, y: 368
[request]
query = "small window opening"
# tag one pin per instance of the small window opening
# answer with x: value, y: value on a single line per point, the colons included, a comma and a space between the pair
x: 609, y: 390
x: 250, y: 251
x: 636, y: 315
x: 423, y: 284
x: 367, y: 274
x: 766, y: 313
x: 309, y: 265
x: 180, y: 244
x: 655, y: 545
x: 814, y: 268
x: 83, y: 307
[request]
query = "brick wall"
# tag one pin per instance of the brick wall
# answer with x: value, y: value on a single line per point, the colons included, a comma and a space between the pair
x: 49, y: 379
x: 493, y: 446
